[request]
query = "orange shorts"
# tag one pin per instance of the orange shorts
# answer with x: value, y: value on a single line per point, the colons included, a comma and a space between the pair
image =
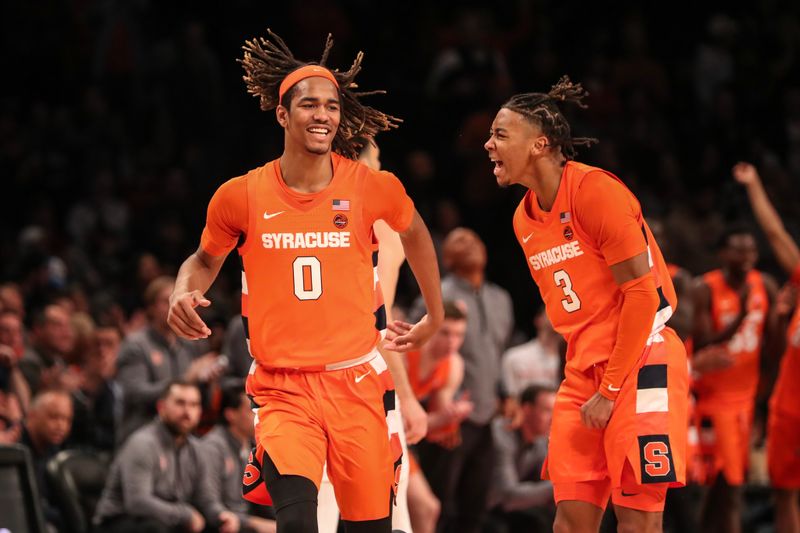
x: 345, y: 417
x: 642, y: 450
x: 783, y: 450
x: 724, y: 436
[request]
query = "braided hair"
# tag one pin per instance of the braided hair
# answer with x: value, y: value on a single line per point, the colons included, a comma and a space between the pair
x: 542, y: 109
x: 267, y: 61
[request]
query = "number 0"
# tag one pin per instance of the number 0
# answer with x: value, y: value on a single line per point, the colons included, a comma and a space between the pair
x: 571, y: 303
x: 307, y: 288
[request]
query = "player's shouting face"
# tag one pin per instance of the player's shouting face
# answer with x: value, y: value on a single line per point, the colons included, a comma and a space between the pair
x: 313, y: 116
x: 513, y: 144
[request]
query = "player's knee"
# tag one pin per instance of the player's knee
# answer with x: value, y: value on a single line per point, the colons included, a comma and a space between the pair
x: 562, y: 524
x: 300, y: 517
x: 295, y: 502
x: 368, y: 526
x: 640, y: 523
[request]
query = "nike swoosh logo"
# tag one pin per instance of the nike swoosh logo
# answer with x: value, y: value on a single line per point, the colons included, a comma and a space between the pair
x: 629, y: 493
x: 526, y: 239
x: 268, y: 216
x: 614, y: 389
x: 362, y: 376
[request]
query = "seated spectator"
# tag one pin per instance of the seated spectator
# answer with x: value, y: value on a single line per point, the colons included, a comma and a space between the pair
x: 98, y: 401
x: 10, y: 418
x: 520, y: 500
x: 46, y: 427
x: 536, y: 362
x: 436, y: 372
x: 53, y: 339
x: 227, y: 447
x: 12, y: 348
x: 154, y: 356
x: 157, y: 480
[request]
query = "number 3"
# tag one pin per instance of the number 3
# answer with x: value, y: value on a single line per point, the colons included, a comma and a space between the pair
x: 312, y: 290
x: 571, y: 303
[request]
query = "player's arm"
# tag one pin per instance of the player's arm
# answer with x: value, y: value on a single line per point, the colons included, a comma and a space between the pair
x: 782, y: 244
x: 617, y: 232
x: 774, y: 338
x: 390, y: 259
x: 226, y: 222
x: 418, y: 248
x: 703, y: 331
x: 415, y: 420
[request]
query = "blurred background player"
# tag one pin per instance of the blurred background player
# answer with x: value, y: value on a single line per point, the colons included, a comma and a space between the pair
x: 733, y: 312
x: 783, y: 427
x: 619, y: 424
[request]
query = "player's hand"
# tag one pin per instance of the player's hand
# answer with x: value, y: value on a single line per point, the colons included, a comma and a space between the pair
x: 596, y: 411
x: 745, y: 173
x: 228, y: 522
x: 196, y: 523
x: 714, y: 357
x: 415, y: 420
x: 183, y: 319
x: 403, y: 337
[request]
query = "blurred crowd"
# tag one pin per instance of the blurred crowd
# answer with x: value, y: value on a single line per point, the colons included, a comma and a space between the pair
x: 119, y: 119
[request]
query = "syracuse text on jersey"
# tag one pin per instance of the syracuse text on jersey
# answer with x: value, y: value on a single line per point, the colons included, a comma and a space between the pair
x: 555, y: 255
x: 309, y: 239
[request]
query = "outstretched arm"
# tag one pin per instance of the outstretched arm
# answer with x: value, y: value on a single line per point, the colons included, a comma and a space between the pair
x: 194, y: 278
x: 782, y: 244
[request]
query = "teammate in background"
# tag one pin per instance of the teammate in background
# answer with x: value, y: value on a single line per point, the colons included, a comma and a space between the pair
x: 303, y: 227
x: 733, y: 312
x: 436, y: 372
x: 783, y: 426
x: 619, y: 423
x: 682, y: 317
x: 390, y: 259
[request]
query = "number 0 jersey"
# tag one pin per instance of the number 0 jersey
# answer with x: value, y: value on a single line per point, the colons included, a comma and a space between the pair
x: 595, y: 222
x: 308, y: 279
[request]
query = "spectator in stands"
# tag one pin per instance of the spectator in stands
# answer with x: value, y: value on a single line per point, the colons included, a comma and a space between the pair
x: 157, y: 481
x: 537, y: 361
x: 227, y: 447
x: 44, y: 363
x: 152, y: 357
x: 12, y: 348
x: 98, y: 401
x: 519, y: 498
x: 47, y: 426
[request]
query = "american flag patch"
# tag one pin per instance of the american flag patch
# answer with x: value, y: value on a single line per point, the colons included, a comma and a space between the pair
x: 341, y: 205
x: 565, y: 217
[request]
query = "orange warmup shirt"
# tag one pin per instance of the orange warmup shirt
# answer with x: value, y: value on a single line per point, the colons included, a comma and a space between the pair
x: 784, y: 398
x: 308, y: 279
x: 734, y: 387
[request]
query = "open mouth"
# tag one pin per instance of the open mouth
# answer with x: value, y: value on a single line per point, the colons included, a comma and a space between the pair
x: 319, y: 132
x: 498, y: 165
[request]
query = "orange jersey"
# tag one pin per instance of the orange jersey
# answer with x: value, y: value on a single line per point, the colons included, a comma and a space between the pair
x: 784, y: 398
x: 735, y: 386
x: 595, y: 222
x: 308, y: 280
x: 424, y: 386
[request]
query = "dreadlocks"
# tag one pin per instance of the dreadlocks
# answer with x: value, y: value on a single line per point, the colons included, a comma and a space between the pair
x: 542, y: 109
x: 268, y: 61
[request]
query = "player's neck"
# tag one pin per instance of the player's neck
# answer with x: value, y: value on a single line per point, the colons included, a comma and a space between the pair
x: 306, y: 172
x: 545, y: 180
x: 734, y: 278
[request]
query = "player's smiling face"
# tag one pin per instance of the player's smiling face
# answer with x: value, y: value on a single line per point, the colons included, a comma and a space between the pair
x: 511, y: 146
x: 313, y: 118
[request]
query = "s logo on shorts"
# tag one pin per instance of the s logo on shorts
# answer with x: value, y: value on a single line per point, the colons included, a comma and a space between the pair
x: 655, y: 456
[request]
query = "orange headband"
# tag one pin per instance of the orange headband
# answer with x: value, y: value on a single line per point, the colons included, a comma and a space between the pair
x: 302, y: 73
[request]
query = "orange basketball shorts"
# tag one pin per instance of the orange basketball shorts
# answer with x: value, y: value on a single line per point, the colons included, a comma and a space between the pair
x: 642, y: 450
x: 724, y: 436
x: 345, y: 417
x: 783, y: 450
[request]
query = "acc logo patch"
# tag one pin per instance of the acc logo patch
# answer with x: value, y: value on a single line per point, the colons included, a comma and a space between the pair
x: 568, y: 233
x: 340, y: 221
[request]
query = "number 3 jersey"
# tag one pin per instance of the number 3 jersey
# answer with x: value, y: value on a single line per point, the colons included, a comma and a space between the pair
x: 595, y: 222
x: 308, y: 272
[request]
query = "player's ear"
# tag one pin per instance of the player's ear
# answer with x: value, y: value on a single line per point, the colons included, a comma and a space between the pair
x: 539, y: 144
x: 282, y: 114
